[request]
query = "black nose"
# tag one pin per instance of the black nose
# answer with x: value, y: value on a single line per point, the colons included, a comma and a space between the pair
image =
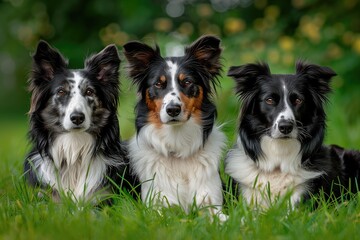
x: 173, y: 109
x: 285, y: 127
x: 77, y: 118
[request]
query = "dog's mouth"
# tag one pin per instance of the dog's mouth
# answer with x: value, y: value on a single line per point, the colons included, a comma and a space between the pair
x: 175, y: 122
x: 285, y: 137
x: 179, y: 120
x: 281, y: 136
x: 77, y: 129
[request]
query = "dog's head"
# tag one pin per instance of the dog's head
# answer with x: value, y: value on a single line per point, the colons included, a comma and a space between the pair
x: 64, y: 99
x: 283, y: 105
x: 175, y: 89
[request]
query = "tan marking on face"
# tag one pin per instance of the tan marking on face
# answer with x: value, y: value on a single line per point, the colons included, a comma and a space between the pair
x: 192, y: 106
x: 162, y: 78
x: 182, y: 76
x: 154, y: 107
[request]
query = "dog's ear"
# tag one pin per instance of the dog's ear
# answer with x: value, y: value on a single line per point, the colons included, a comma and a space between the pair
x: 105, y: 64
x: 47, y: 61
x: 139, y: 57
x: 318, y: 78
x: 206, y: 50
x: 247, y: 77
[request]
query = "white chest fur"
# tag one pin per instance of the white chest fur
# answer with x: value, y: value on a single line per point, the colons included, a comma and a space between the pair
x: 276, y: 173
x: 74, y: 168
x: 175, y: 167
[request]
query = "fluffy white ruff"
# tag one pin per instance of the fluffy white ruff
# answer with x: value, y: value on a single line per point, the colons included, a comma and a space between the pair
x: 176, y: 168
x: 277, y: 173
x: 73, y: 169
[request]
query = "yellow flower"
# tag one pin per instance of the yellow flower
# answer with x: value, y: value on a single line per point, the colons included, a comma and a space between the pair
x: 273, y: 56
x: 310, y: 27
x: 288, y: 59
x: 163, y: 24
x: 204, y: 10
x: 272, y: 12
x: 186, y: 29
x: 234, y: 25
x: 334, y: 51
x: 286, y: 43
x: 356, y: 45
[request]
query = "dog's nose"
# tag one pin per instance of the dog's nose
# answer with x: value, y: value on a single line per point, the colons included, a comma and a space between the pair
x: 173, y: 109
x: 77, y: 118
x: 285, y: 127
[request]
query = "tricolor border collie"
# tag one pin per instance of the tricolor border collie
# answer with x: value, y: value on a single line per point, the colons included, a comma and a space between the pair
x: 73, y: 124
x: 280, y: 140
x: 176, y: 151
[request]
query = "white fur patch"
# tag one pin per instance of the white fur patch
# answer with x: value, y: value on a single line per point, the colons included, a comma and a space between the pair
x: 278, y: 172
x: 173, y: 96
x: 287, y: 114
x: 73, y: 168
x: 175, y: 167
x: 78, y: 103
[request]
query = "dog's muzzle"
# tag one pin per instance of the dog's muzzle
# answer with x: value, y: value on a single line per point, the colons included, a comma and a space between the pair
x: 173, y: 109
x: 286, y: 126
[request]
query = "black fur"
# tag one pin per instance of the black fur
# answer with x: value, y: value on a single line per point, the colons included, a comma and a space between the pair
x: 201, y: 63
x: 311, y: 83
x: 50, y: 71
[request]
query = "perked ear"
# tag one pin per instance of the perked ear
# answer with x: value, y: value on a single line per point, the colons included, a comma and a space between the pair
x: 139, y: 57
x: 319, y: 78
x: 105, y: 64
x: 206, y: 50
x: 246, y: 78
x: 47, y: 62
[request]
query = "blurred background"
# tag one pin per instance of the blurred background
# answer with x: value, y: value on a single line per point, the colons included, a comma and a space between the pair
x: 279, y: 32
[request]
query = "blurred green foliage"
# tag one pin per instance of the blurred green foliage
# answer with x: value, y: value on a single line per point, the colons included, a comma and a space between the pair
x: 279, y: 32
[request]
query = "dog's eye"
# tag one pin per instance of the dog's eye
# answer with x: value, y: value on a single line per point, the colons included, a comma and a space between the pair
x: 270, y: 101
x: 61, y: 92
x: 89, y: 92
x: 159, y: 84
x: 298, y: 101
x: 187, y: 83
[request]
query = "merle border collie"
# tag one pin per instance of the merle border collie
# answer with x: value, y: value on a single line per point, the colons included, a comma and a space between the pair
x: 73, y: 124
x: 176, y: 151
x: 280, y: 148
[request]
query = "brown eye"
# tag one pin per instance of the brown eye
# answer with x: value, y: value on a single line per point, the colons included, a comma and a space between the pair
x: 89, y: 92
x: 159, y: 84
x: 60, y: 92
x: 298, y: 101
x: 270, y: 101
x: 187, y: 83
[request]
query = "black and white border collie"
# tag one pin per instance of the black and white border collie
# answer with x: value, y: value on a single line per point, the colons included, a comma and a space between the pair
x: 280, y: 148
x: 176, y: 151
x: 73, y: 123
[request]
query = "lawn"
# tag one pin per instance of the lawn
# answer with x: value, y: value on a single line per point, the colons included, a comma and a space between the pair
x: 323, y: 32
x: 24, y: 215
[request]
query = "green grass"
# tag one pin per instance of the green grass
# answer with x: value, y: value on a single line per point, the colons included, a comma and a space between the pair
x: 24, y: 215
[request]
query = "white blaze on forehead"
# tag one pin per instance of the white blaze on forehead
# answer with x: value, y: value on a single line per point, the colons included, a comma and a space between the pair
x: 287, y: 113
x: 77, y: 103
x: 173, y: 69
x: 173, y: 96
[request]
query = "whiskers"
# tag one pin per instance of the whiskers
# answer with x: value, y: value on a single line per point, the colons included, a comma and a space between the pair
x: 303, y: 133
x: 262, y: 131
